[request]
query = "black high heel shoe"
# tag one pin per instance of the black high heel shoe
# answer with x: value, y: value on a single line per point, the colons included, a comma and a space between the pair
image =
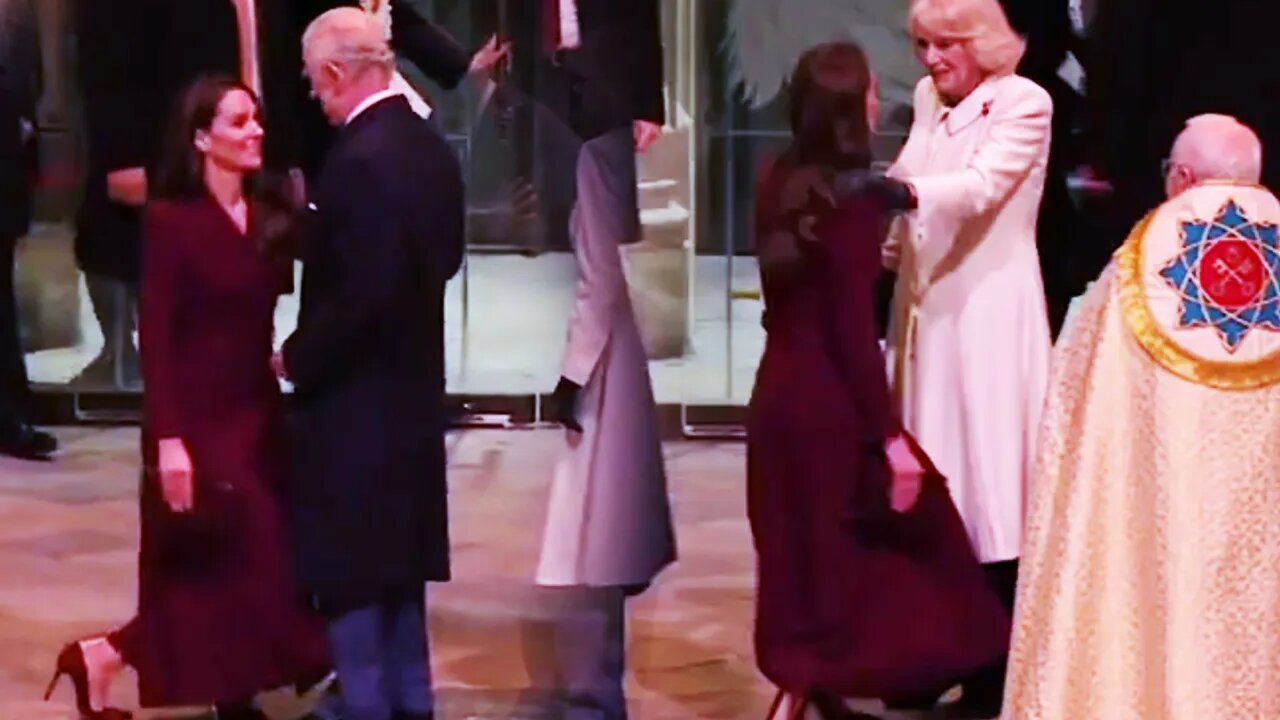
x: 71, y: 663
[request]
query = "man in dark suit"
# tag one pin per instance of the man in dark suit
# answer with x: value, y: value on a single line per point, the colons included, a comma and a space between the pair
x: 367, y: 362
x: 18, y: 67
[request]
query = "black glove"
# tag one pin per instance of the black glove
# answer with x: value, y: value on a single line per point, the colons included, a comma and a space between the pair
x: 564, y: 404
x: 895, y: 194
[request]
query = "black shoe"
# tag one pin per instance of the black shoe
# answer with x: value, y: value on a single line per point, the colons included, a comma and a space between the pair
x: 22, y: 441
x: 410, y: 716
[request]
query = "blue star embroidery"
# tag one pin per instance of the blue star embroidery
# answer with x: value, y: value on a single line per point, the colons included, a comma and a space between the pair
x: 1228, y: 275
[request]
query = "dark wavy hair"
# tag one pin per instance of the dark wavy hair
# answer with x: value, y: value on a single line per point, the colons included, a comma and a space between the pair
x: 830, y: 133
x: 179, y: 172
x: 828, y: 113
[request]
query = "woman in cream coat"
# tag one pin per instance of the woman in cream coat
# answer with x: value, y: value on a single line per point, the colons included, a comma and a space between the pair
x: 969, y: 338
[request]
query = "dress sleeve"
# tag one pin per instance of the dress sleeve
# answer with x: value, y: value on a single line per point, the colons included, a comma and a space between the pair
x: 849, y: 270
x: 160, y: 318
x: 909, y: 158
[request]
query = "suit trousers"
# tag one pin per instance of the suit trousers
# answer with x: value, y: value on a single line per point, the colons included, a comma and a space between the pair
x: 13, y: 368
x: 381, y: 656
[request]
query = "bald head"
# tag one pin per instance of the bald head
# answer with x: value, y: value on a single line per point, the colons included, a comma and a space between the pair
x: 1214, y: 147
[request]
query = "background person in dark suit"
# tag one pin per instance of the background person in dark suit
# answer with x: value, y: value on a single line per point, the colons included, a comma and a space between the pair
x: 1046, y: 27
x: 367, y: 362
x: 18, y: 66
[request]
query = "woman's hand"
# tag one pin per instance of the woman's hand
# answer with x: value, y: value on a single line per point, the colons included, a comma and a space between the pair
x: 176, y: 476
x: 908, y: 474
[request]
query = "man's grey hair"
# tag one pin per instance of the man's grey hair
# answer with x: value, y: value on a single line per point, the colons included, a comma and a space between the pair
x: 348, y: 36
x: 1219, y: 147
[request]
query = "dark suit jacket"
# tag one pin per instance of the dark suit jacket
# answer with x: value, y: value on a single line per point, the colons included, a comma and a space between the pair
x: 612, y: 79
x: 1046, y: 25
x: 414, y: 37
x: 135, y: 59
x: 367, y: 360
x: 19, y: 66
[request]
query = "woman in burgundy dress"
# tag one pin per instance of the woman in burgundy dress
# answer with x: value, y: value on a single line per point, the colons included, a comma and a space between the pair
x: 867, y: 584
x: 219, y: 617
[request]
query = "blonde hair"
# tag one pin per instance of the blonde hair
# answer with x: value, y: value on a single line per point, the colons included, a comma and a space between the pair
x: 348, y: 35
x: 981, y: 24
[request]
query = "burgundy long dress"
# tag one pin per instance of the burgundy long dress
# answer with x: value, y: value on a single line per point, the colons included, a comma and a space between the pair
x: 219, y: 614
x: 853, y: 598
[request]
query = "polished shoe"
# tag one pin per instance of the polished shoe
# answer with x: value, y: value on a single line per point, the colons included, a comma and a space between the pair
x: 71, y: 663
x: 24, y: 442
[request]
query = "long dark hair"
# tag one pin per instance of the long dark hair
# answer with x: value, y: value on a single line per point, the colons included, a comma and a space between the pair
x: 179, y: 173
x: 828, y: 114
x: 830, y: 132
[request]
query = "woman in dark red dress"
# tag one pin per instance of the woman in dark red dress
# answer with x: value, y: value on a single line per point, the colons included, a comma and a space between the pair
x: 219, y: 616
x: 867, y: 584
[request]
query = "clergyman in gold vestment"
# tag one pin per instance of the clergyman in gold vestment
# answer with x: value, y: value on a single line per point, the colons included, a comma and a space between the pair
x: 1151, y: 569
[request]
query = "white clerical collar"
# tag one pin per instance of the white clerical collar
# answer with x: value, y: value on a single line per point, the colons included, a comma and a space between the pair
x: 370, y: 101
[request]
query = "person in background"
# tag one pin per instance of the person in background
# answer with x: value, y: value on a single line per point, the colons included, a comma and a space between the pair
x: 220, y: 617
x: 969, y: 339
x: 1049, y: 35
x: 1152, y: 65
x: 608, y: 531
x: 18, y: 65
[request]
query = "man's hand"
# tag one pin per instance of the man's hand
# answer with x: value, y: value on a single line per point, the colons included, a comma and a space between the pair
x: 176, y: 481
x: 488, y: 57
x: 564, y: 404
x: 646, y: 134
x: 128, y: 186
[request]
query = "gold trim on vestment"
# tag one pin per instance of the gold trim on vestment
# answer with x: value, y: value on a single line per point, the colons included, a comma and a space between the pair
x: 1163, y: 349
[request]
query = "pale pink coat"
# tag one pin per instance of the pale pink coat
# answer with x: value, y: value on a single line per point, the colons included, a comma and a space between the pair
x: 969, y: 338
